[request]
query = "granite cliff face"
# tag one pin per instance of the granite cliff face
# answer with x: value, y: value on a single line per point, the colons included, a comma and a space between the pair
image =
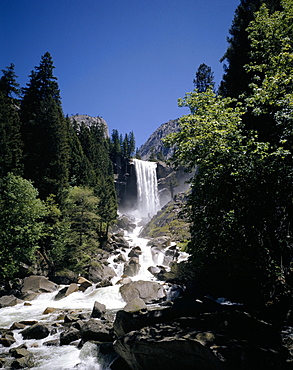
x: 90, y: 121
x: 154, y: 143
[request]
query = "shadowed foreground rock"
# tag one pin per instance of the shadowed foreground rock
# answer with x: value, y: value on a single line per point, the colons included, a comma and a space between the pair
x: 199, y: 335
x: 164, y: 347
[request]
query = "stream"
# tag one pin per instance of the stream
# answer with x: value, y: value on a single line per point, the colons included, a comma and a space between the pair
x: 69, y: 356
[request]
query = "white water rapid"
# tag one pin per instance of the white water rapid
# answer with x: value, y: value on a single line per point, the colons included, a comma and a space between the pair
x: 147, y: 188
x: 69, y: 357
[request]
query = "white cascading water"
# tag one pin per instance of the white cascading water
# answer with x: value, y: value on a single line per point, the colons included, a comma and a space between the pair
x: 147, y: 188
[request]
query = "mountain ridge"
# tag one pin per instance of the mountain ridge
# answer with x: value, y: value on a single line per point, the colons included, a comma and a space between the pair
x: 154, y: 144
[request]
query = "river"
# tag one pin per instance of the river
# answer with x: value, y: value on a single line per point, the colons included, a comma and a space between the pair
x: 69, y: 356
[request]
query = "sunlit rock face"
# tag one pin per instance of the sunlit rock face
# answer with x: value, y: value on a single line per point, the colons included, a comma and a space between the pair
x: 90, y: 121
x: 154, y: 143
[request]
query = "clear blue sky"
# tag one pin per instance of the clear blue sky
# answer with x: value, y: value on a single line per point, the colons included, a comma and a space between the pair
x: 125, y: 60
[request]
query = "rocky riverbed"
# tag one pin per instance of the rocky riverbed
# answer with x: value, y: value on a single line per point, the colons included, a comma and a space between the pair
x: 122, y: 320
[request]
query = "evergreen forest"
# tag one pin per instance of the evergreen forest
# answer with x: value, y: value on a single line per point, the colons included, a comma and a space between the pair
x: 57, y: 193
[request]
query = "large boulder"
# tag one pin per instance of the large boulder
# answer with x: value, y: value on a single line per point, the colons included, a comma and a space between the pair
x: 126, y: 322
x: 83, y: 283
x: 66, y: 291
x: 135, y: 252
x: 148, y: 291
x: 158, y: 272
x: 99, y: 272
x: 38, y: 284
x: 137, y: 304
x: 187, y: 343
x: 68, y: 336
x: 7, y: 339
x: 9, y: 300
x: 96, y: 330
x: 160, y: 242
x: 36, y: 331
x: 125, y: 223
x: 99, y: 309
x: 163, y: 347
x: 131, y: 267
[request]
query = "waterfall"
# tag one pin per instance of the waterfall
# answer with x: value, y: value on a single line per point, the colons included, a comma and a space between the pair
x: 147, y: 188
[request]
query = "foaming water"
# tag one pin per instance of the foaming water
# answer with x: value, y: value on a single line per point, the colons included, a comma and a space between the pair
x: 68, y: 357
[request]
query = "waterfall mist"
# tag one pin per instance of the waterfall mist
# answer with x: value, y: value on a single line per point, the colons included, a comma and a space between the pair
x: 148, y: 202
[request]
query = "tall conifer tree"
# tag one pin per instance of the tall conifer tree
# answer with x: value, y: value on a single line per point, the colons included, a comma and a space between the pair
x: 10, y: 141
x: 236, y: 79
x: 204, y: 78
x: 44, y: 132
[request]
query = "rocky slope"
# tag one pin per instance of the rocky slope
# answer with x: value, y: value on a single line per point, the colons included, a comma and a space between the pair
x: 90, y: 121
x: 154, y: 143
x: 170, y: 221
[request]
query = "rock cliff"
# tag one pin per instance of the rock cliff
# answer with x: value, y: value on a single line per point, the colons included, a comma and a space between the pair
x: 90, y: 121
x: 154, y: 143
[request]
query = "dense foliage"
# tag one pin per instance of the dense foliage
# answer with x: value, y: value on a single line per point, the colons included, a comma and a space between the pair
x: 241, y: 203
x: 21, y: 222
x: 64, y: 167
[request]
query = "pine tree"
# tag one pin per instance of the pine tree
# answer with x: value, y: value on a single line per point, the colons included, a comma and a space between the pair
x: 10, y: 140
x: 44, y: 132
x: 236, y: 80
x: 115, y: 148
x: 125, y: 146
x: 81, y: 171
x: 131, y: 144
x: 204, y: 78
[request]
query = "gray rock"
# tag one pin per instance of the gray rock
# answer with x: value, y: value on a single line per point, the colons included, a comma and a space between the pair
x: 98, y: 310
x: 135, y: 252
x: 52, y: 343
x: 131, y: 267
x: 125, y: 223
x: 9, y: 300
x: 7, y: 339
x: 83, y: 283
x: 19, y: 352
x: 164, y: 347
x: 69, y: 336
x: 154, y: 142
x: 120, y: 258
x: 136, y: 304
x: 160, y: 242
x: 96, y: 330
x: 158, y: 271
x: 126, y: 322
x: 17, y: 326
x: 89, y: 121
x: 124, y: 280
x: 22, y: 363
x: 73, y: 287
x: 148, y: 291
x: 38, y: 284
x: 100, y: 272
x: 36, y: 331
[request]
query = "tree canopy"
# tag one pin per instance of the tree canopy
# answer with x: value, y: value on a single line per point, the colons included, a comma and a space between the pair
x: 44, y: 132
x: 21, y: 223
x: 241, y: 200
